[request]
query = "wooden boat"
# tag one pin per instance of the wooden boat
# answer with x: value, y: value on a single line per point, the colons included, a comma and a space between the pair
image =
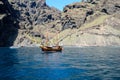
x: 53, y: 49
x: 56, y: 48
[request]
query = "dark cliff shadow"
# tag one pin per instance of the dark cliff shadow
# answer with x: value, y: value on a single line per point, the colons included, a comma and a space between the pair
x: 9, y: 24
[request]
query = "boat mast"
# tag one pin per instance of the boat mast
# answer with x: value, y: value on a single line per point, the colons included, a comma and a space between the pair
x: 47, y: 38
x: 57, y: 38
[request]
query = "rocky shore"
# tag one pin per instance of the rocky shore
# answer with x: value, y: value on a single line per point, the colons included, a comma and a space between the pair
x: 87, y: 23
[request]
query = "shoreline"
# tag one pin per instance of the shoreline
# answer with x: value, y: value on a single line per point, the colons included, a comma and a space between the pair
x: 67, y: 46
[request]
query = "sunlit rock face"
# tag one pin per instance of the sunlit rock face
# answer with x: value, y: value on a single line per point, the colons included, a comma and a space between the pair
x: 105, y: 33
x: 91, y: 23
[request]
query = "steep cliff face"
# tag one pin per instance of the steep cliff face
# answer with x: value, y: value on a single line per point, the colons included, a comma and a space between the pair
x: 35, y: 19
x: 77, y: 14
x: 92, y: 23
x: 8, y: 24
x: 87, y: 23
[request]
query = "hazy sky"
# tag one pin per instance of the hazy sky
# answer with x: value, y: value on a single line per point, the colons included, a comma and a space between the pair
x: 59, y: 4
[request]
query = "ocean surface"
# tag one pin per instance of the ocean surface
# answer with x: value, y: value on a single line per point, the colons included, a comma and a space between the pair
x: 73, y: 63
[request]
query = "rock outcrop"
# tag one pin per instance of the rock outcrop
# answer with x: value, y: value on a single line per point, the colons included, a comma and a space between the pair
x: 77, y: 14
x: 106, y: 33
x: 34, y: 12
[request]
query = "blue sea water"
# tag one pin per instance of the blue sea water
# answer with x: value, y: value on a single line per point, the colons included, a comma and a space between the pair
x: 73, y: 63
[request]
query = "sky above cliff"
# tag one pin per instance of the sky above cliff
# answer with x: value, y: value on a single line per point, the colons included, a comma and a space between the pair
x: 60, y: 4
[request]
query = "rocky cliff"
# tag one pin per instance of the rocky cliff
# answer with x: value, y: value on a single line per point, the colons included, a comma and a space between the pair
x: 87, y: 23
x: 34, y: 12
x: 91, y: 23
x: 99, y: 32
x: 35, y: 19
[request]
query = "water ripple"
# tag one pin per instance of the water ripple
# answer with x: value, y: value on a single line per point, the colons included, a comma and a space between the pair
x: 88, y: 63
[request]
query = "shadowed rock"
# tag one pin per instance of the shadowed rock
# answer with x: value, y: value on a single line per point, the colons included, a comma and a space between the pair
x: 8, y: 24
